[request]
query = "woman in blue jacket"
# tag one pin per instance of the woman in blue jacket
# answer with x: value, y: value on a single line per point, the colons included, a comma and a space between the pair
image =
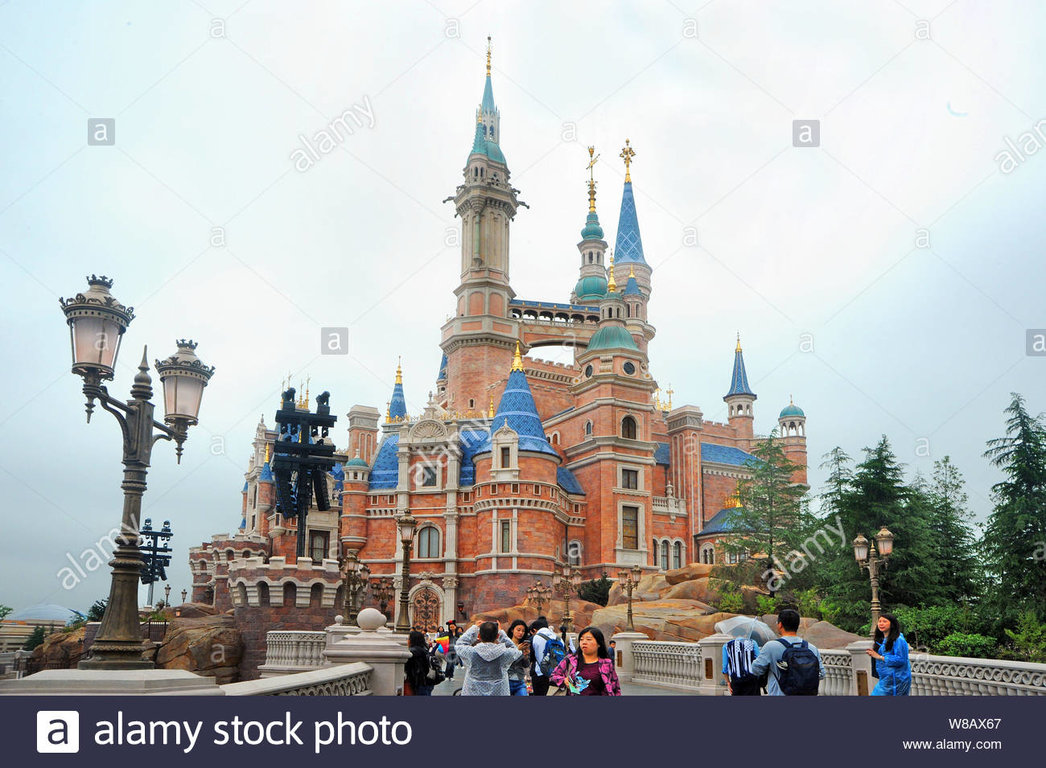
x: 891, y: 658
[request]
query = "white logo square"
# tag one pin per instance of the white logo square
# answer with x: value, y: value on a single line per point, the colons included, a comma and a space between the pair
x: 57, y: 731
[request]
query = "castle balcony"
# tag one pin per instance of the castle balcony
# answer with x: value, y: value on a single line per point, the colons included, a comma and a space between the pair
x: 255, y: 583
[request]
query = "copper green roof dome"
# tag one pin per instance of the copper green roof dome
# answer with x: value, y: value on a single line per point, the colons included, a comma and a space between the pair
x: 792, y: 410
x: 591, y: 288
x: 612, y: 337
x: 592, y: 230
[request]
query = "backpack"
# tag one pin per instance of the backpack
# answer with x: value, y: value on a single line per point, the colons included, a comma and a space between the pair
x: 740, y: 653
x: 435, y: 675
x: 799, y: 670
x: 555, y: 651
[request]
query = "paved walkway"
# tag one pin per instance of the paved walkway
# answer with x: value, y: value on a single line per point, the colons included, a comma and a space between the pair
x: 447, y: 688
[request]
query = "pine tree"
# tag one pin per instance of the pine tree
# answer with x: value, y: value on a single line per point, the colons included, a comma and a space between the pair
x: 1015, y: 537
x: 35, y: 639
x: 954, y: 544
x: 767, y: 522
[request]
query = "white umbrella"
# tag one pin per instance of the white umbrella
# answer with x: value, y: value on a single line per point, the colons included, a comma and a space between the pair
x: 746, y: 626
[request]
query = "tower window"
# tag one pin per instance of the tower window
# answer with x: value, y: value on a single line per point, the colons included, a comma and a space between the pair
x: 628, y: 428
x: 318, y: 542
x: 664, y: 555
x: 630, y: 479
x: 428, y: 477
x: 588, y: 428
x: 630, y: 527
x: 506, y: 456
x: 677, y: 555
x: 629, y: 368
x: 506, y: 536
x: 428, y: 542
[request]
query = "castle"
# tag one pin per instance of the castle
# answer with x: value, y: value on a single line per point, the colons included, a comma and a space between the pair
x: 516, y: 466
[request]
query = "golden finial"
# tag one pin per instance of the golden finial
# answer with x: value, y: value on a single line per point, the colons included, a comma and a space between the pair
x: 611, y: 285
x: 670, y: 392
x: 517, y: 360
x: 734, y: 500
x: 488, y: 55
x: 627, y: 154
x: 592, y: 158
x: 399, y: 370
x: 388, y: 411
x: 490, y: 408
x: 738, y: 342
x: 301, y: 388
x: 266, y: 453
x: 308, y: 380
x: 632, y: 272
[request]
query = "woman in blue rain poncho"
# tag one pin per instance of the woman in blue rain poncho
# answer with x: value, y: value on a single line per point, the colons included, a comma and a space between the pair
x: 891, y: 658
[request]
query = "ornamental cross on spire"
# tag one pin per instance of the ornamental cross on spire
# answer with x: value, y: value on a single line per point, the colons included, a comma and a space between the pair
x: 488, y: 55
x: 593, y: 158
x: 627, y: 154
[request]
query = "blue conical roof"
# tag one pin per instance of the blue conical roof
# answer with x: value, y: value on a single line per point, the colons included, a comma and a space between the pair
x: 442, y: 369
x: 739, y: 379
x: 266, y: 474
x: 632, y: 287
x: 398, y: 404
x: 517, y: 409
x: 629, y: 246
x: 488, y: 97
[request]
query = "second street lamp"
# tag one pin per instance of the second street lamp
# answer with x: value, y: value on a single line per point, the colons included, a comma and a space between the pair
x: 356, y: 576
x: 407, y: 526
x: 867, y: 559
x: 629, y: 581
x: 97, y: 322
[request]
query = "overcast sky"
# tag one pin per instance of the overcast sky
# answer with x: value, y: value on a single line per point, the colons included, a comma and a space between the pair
x: 199, y: 214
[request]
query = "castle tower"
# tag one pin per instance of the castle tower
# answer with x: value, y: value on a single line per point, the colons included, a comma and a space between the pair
x: 740, y: 398
x: 397, y: 410
x: 791, y: 426
x: 592, y: 283
x: 631, y: 268
x: 478, y: 341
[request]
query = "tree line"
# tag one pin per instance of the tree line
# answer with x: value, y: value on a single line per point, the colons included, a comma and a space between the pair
x: 957, y: 589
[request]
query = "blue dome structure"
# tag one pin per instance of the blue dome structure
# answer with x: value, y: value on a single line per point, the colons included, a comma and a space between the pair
x: 612, y: 337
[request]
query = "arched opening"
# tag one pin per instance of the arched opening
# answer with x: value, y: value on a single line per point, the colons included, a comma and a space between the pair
x: 664, y: 555
x: 290, y: 593
x: 428, y: 542
x: 588, y: 428
x: 263, y: 593
x: 628, y: 428
x: 677, y: 555
x: 241, y: 594
x: 315, y: 595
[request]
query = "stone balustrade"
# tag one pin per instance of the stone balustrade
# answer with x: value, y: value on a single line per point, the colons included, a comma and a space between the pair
x: 340, y: 680
x: 696, y: 667
x: 958, y: 676
x: 289, y: 652
x: 671, y: 665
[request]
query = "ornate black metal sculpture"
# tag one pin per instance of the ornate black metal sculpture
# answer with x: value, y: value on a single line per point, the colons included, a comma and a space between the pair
x: 301, y: 460
x: 156, y: 555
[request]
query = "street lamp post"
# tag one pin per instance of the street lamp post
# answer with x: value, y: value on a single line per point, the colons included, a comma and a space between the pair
x: 381, y: 588
x: 156, y: 555
x: 867, y: 559
x: 407, y: 526
x: 567, y: 584
x: 167, y: 596
x: 356, y: 575
x: 185, y: 593
x: 539, y: 594
x: 629, y: 581
x: 97, y: 322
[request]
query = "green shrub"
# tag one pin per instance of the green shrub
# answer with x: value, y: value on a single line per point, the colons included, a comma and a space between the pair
x: 963, y: 644
x: 809, y: 603
x: 765, y: 605
x: 731, y: 602
x: 1028, y: 643
x: 35, y: 639
x: 596, y: 590
x: 927, y: 627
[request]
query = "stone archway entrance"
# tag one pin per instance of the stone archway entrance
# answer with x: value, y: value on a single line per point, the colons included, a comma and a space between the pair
x: 425, y: 610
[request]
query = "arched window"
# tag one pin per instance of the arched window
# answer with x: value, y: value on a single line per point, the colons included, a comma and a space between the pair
x: 628, y: 428
x: 708, y: 554
x: 664, y: 555
x: 428, y: 542
x: 588, y: 428
x: 677, y: 555
x: 654, y: 548
x: 574, y: 553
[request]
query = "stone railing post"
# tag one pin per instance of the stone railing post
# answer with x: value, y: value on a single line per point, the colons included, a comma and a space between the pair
x: 862, y: 681
x: 624, y: 659
x: 339, y: 630
x: 712, y: 683
x: 380, y: 650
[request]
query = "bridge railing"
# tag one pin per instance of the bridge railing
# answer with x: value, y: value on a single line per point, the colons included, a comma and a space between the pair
x: 287, y: 652
x: 339, y: 680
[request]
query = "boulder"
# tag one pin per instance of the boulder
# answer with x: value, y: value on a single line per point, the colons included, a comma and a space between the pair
x: 688, y: 573
x: 696, y: 589
x: 193, y: 610
x: 581, y: 610
x: 60, y: 650
x: 826, y: 635
x: 209, y: 645
x: 651, y: 587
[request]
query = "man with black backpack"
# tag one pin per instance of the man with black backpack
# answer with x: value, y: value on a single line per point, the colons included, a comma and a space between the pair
x: 548, y: 651
x: 795, y: 665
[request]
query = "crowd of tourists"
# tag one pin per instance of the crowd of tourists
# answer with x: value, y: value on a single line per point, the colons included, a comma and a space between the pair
x: 525, y: 660
x: 531, y: 660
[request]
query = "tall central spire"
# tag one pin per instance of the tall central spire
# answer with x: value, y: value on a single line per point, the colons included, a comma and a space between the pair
x: 488, y: 114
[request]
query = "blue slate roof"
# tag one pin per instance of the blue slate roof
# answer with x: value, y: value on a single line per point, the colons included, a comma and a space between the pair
x: 629, y: 245
x: 398, y: 404
x: 385, y: 472
x: 244, y: 486
x: 266, y: 474
x: 338, y: 473
x: 725, y: 454
x: 442, y: 369
x: 722, y: 522
x: 471, y: 440
x: 568, y: 482
x: 662, y: 454
x: 739, y: 379
x: 517, y: 409
x: 632, y: 287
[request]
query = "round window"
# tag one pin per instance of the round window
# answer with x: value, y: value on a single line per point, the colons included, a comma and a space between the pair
x: 588, y: 370
x: 630, y: 368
